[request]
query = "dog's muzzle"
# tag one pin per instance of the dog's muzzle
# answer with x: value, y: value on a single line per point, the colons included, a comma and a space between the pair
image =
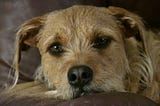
x: 79, y: 76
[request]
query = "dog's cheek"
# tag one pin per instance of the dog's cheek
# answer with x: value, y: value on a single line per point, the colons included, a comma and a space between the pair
x: 49, y: 69
x: 107, y: 79
x: 115, y: 57
x: 110, y: 69
x: 55, y: 71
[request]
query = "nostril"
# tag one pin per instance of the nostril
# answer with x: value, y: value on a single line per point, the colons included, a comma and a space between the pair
x: 73, y: 77
x: 85, y: 75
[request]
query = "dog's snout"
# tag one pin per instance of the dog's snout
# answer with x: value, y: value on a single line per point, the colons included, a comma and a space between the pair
x: 78, y: 76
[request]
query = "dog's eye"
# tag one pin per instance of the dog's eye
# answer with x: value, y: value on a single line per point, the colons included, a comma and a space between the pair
x: 56, y: 49
x: 102, y: 42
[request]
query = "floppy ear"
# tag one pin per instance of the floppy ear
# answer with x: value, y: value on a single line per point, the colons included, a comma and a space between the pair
x: 26, y: 37
x: 136, y: 46
x: 132, y: 24
x: 143, y: 50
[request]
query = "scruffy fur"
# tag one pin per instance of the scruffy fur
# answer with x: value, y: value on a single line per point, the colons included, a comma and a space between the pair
x: 130, y: 63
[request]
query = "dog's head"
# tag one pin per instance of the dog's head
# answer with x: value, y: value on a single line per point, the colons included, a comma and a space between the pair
x: 83, y: 48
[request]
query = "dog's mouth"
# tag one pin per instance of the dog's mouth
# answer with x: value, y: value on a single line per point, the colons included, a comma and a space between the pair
x: 78, y: 92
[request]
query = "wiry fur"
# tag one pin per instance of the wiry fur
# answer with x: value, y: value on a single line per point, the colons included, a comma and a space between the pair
x: 130, y: 63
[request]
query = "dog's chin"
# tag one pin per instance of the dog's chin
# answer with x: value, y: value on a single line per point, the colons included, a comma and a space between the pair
x: 81, y: 92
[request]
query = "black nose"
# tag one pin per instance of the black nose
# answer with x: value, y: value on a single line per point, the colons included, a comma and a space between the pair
x: 78, y: 76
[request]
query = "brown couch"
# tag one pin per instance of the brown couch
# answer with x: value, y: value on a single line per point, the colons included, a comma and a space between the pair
x: 14, y: 12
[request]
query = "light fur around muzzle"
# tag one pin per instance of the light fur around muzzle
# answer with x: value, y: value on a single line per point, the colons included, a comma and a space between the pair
x: 131, y: 62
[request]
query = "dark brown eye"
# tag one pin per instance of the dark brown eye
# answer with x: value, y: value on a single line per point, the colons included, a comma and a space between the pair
x: 102, y: 42
x: 56, y: 49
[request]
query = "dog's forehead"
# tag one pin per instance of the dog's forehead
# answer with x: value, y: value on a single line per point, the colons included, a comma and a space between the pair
x: 79, y: 19
x: 81, y: 14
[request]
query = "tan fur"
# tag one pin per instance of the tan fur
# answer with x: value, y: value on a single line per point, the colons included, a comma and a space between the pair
x: 129, y: 64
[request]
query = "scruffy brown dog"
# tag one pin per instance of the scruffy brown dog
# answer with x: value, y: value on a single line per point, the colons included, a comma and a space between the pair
x: 88, y: 49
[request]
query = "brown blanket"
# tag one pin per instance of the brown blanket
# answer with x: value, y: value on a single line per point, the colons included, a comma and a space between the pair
x: 34, y: 94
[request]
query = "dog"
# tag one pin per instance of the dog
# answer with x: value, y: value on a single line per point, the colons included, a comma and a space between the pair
x: 87, y: 49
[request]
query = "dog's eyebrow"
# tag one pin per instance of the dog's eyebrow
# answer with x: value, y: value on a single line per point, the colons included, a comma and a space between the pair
x: 51, y: 38
x: 48, y: 39
x: 105, y: 31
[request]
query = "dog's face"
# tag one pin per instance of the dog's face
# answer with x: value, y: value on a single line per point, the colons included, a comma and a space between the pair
x: 82, y: 44
x: 82, y: 50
